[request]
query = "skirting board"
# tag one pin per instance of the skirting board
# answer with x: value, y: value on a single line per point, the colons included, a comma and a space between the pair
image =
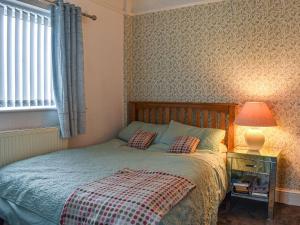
x: 287, y: 196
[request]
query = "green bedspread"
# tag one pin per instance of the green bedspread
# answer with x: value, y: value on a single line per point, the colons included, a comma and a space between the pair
x: 42, y: 184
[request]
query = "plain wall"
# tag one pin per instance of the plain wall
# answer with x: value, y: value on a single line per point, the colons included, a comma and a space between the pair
x: 27, y: 119
x: 103, y: 54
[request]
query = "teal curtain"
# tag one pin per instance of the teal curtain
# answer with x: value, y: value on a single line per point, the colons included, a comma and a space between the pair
x: 68, y: 82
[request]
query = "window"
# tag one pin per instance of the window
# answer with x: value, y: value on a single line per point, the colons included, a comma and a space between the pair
x: 25, y: 57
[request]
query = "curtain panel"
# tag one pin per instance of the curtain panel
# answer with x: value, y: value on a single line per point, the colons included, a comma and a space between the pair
x: 67, y: 58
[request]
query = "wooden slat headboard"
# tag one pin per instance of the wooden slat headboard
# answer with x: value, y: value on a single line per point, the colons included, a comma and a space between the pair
x: 207, y: 115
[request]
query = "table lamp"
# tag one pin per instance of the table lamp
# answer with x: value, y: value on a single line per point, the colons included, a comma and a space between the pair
x: 255, y: 114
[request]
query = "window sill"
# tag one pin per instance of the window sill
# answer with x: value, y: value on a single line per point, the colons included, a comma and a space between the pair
x: 28, y: 109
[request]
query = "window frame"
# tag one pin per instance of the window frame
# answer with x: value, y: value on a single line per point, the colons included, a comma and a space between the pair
x: 37, y: 8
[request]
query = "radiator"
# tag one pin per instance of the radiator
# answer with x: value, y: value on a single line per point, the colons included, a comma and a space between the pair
x: 21, y: 144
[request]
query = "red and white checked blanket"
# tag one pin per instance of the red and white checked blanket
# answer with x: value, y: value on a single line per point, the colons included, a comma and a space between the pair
x: 135, y: 197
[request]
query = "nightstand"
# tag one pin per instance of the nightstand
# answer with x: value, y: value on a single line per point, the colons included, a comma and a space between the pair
x: 252, y: 175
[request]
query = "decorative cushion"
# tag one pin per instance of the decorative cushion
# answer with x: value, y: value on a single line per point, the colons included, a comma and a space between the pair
x: 127, y: 132
x: 184, y: 144
x: 210, y: 137
x: 141, y: 139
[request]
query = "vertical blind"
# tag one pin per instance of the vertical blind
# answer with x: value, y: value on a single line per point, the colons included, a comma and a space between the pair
x: 25, y: 58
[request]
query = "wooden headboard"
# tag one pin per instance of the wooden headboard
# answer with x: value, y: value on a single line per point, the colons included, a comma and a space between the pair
x: 207, y: 115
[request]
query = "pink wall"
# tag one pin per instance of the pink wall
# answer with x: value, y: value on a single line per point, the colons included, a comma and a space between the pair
x: 103, y: 51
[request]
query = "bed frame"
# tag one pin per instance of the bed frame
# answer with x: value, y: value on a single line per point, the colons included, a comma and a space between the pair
x: 206, y: 115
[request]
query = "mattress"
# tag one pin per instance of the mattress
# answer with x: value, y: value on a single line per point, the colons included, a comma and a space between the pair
x: 34, y: 191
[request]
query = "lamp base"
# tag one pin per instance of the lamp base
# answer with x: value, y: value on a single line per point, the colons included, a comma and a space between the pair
x: 254, y: 139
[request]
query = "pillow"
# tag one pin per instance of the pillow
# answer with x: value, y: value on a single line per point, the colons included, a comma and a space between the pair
x: 158, y: 148
x: 127, y: 132
x: 210, y: 137
x: 141, y: 139
x: 184, y: 144
x: 222, y: 148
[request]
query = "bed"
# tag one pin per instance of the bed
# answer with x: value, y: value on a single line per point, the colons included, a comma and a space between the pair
x: 33, y: 191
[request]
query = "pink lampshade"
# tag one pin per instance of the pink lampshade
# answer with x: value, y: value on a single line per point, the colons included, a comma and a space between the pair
x: 255, y: 114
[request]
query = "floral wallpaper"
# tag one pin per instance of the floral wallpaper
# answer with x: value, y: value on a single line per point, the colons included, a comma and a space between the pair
x: 229, y: 51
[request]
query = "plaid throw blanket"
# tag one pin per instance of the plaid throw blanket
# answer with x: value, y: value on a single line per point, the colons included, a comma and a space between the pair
x: 135, y: 197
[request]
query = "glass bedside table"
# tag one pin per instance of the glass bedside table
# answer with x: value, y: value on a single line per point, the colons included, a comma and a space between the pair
x: 252, y: 175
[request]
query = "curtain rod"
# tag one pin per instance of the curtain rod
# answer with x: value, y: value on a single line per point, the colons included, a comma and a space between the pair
x: 93, y: 17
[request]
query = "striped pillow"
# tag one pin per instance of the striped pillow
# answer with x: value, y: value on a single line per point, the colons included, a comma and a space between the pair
x: 184, y: 144
x: 141, y: 139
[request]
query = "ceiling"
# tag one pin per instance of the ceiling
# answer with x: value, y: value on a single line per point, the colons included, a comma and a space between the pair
x: 144, y: 6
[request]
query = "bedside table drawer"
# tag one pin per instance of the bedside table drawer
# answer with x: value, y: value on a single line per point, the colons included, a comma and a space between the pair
x: 251, y: 165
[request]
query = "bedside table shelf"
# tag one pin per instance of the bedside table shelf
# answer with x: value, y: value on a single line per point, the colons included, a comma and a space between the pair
x: 253, y: 173
x: 248, y: 196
